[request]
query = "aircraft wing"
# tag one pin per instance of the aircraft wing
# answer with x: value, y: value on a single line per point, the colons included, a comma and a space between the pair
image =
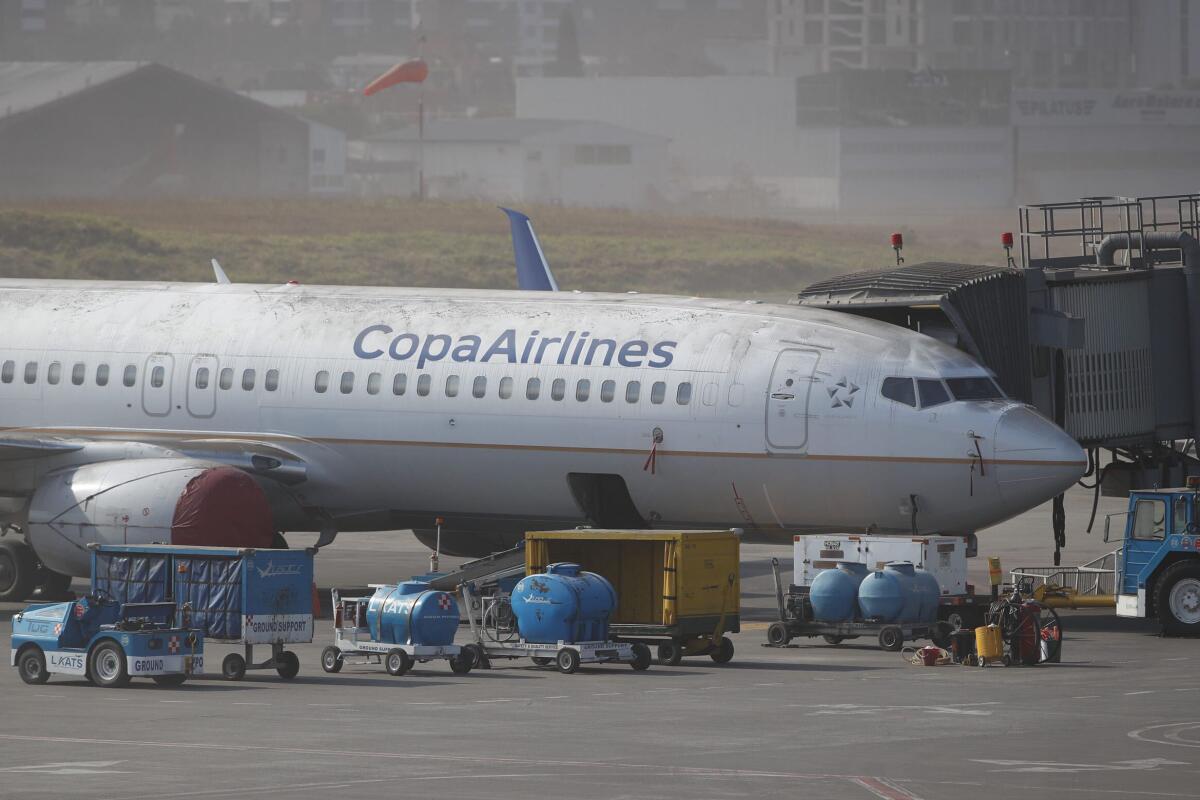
x: 17, y: 446
x: 533, y: 273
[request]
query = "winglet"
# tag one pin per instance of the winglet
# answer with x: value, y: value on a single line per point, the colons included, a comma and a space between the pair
x: 533, y: 273
x: 220, y: 273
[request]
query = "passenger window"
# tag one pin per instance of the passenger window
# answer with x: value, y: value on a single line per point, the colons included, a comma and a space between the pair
x: 451, y: 386
x: 54, y: 373
x: 225, y: 380
x: 424, y: 383
x: 30, y: 371
x: 932, y: 393
x: 374, y: 381
x: 1149, y: 518
x: 558, y: 389
x: 899, y: 390
x: 157, y: 376
x: 130, y: 377
x: 202, y: 378
x: 399, y: 384
x: 479, y: 386
x: 533, y: 389
x: 583, y: 389
x: 247, y: 379
x: 683, y: 395
x: 102, y: 375
x: 321, y: 382
x: 347, y: 383
x: 7, y: 371
x: 658, y: 392
x: 78, y: 374
x: 632, y: 390
x: 607, y: 390
x: 506, y: 386
x: 272, y: 381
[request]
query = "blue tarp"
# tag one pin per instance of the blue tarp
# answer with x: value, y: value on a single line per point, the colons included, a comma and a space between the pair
x: 214, y: 588
x: 132, y: 578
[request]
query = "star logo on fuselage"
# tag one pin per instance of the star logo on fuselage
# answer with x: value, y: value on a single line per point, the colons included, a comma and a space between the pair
x: 843, y: 393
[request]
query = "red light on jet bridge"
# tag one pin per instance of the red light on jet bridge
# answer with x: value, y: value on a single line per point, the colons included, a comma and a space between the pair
x: 293, y: 283
x: 897, y: 241
x: 1006, y: 239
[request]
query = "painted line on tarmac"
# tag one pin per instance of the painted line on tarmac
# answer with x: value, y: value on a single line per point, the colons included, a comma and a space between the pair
x: 1087, y: 697
x: 251, y: 704
x: 558, y: 697
x: 1170, y: 733
x: 506, y: 700
x: 884, y: 789
x: 1146, y: 691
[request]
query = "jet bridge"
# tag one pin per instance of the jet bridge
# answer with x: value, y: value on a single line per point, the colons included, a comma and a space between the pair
x: 1095, y: 322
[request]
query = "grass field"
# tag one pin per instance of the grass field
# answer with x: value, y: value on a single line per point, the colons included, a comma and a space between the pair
x: 404, y: 243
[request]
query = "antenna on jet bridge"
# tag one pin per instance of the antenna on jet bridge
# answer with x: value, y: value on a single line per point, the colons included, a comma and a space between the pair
x: 220, y: 273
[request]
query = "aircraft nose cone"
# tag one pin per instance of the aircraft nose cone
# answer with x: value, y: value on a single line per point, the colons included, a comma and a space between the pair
x: 1035, y: 460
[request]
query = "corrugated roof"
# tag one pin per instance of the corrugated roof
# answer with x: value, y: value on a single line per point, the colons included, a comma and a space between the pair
x: 504, y: 129
x: 926, y: 282
x: 25, y: 85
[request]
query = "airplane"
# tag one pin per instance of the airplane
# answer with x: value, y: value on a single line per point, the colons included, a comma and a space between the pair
x: 226, y: 413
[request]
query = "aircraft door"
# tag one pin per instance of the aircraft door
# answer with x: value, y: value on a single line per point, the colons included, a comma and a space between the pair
x: 156, y: 385
x: 787, y: 403
x: 202, y: 386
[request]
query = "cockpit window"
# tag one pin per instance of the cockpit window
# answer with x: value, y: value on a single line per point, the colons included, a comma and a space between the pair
x: 932, y: 392
x: 899, y: 390
x: 979, y: 388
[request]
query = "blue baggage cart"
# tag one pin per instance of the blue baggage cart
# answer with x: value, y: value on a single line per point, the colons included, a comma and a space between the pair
x: 235, y: 595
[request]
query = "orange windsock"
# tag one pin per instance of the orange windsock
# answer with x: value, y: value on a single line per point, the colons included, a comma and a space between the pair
x: 415, y: 71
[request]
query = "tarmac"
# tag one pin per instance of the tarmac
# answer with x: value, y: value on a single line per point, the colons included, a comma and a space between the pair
x: 1120, y: 717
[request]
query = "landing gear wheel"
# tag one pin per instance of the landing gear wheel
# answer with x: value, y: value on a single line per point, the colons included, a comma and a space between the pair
x: 109, y: 668
x: 18, y: 571
x: 724, y: 652
x: 331, y: 659
x: 462, y: 663
x: 397, y: 662
x: 831, y: 639
x: 670, y: 653
x: 170, y: 680
x: 233, y: 667
x: 542, y: 661
x: 777, y: 634
x: 32, y: 666
x: 891, y: 639
x: 567, y: 660
x: 941, y: 633
x: 641, y: 657
x: 1177, y: 598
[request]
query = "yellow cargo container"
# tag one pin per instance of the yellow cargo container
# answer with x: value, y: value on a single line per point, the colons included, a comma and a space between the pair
x: 680, y: 590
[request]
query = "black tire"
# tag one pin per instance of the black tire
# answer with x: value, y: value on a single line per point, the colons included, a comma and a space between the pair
x: 233, y: 667
x: 778, y: 634
x: 397, y: 662
x: 331, y: 659
x: 941, y: 634
x: 567, y: 660
x: 831, y: 639
x: 891, y: 639
x: 52, y: 585
x: 1177, y: 598
x: 723, y: 653
x: 18, y: 571
x: 956, y: 619
x: 31, y: 663
x: 542, y: 661
x: 170, y: 680
x: 287, y: 664
x: 462, y: 663
x: 108, y: 665
x: 670, y: 653
x: 641, y: 657
x: 1051, y: 637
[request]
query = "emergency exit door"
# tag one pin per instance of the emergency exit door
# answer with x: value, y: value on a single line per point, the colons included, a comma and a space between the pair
x: 787, y: 403
x: 202, y: 386
x: 156, y: 385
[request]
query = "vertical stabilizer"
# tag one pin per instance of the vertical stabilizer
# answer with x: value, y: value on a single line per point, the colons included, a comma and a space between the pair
x: 533, y: 273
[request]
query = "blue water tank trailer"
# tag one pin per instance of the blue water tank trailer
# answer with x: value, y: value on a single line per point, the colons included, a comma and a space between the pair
x: 412, y: 613
x: 906, y: 572
x: 881, y: 596
x: 834, y: 592
x: 564, y: 604
x: 930, y: 593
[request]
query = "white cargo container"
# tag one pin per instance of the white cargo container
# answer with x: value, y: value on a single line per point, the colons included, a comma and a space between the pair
x: 943, y: 556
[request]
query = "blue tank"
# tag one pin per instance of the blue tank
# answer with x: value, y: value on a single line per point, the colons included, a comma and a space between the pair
x: 930, y: 592
x: 563, y: 605
x: 412, y: 613
x: 834, y: 592
x: 904, y: 570
x: 881, y: 596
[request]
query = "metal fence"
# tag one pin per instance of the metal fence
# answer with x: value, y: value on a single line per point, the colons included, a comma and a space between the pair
x: 1095, y: 578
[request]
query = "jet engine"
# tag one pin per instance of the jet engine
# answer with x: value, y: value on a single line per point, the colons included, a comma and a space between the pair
x: 139, y: 501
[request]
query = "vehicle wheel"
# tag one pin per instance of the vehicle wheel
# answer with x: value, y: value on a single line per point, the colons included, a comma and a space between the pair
x: 724, y: 652
x: 542, y: 661
x: 170, y: 680
x: 670, y: 653
x: 462, y: 663
x: 956, y: 620
x: 568, y: 661
x: 777, y: 634
x: 641, y: 657
x: 32, y: 666
x: 278, y: 542
x: 831, y: 639
x: 52, y: 585
x: 397, y: 662
x: 941, y: 633
x: 109, y: 668
x: 1177, y: 598
x: 331, y: 659
x: 478, y: 657
x: 287, y: 665
x: 891, y: 639
x: 233, y: 667
x: 1051, y: 635
x: 18, y: 571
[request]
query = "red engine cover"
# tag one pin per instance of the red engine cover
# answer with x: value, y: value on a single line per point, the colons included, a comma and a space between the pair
x: 223, y: 507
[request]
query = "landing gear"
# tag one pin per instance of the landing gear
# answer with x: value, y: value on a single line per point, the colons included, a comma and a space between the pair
x: 52, y: 585
x: 18, y: 570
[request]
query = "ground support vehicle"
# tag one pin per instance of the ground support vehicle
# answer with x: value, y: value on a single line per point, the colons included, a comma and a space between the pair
x: 354, y: 645
x: 678, y: 591
x: 235, y: 595
x: 494, y: 636
x: 105, y: 641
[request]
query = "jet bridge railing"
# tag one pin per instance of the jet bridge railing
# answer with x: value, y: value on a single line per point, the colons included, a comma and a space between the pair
x: 1067, y: 234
